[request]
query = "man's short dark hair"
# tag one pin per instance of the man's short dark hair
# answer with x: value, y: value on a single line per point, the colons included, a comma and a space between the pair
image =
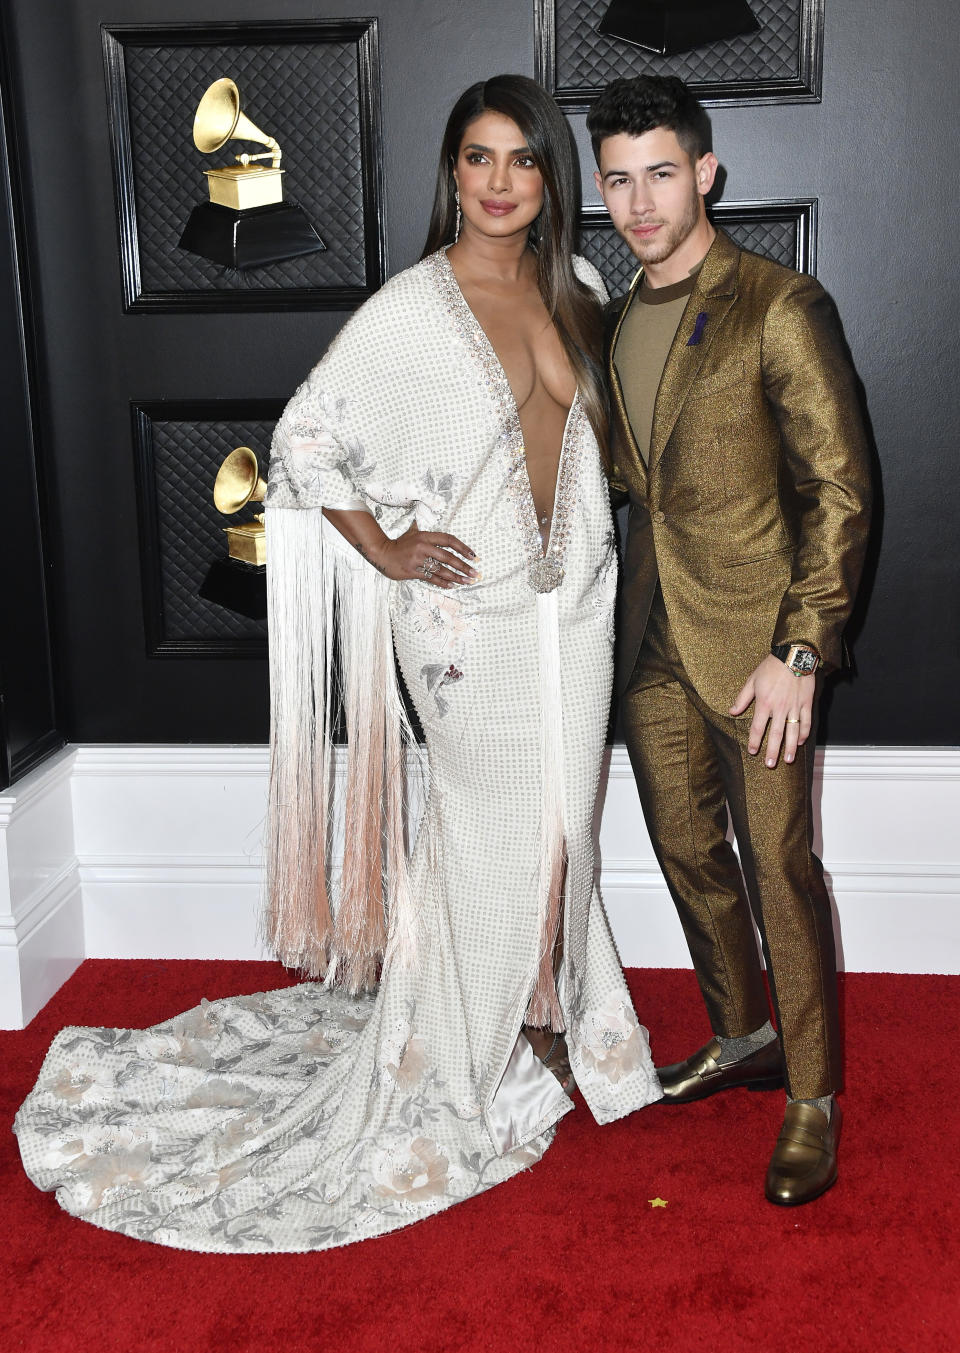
x: 639, y: 105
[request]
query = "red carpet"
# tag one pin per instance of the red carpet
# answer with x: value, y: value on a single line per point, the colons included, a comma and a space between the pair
x: 568, y: 1256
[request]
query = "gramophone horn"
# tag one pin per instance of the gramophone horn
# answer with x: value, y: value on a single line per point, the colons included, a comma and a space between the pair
x: 238, y: 482
x: 219, y: 120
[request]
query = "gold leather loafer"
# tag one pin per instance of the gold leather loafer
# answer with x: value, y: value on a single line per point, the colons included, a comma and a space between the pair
x: 702, y: 1075
x: 804, y: 1160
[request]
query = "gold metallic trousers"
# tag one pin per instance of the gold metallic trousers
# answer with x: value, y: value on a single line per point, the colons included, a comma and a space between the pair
x: 692, y: 766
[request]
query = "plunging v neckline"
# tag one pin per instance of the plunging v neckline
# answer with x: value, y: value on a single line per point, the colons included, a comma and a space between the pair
x: 546, y: 561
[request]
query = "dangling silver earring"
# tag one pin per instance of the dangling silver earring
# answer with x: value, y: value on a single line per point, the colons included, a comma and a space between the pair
x: 456, y: 233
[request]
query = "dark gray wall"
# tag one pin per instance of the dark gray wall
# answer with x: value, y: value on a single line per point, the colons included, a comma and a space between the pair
x: 877, y: 153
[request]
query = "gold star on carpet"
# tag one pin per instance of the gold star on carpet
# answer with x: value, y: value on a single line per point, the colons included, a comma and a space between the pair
x: 657, y: 1202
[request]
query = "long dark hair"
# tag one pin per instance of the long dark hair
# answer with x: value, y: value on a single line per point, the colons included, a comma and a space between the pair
x: 571, y: 305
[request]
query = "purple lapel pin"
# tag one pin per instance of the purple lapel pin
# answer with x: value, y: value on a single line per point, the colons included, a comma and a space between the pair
x: 698, y: 329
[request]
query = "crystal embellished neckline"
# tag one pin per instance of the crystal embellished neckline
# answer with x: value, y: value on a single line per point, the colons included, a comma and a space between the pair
x: 544, y: 566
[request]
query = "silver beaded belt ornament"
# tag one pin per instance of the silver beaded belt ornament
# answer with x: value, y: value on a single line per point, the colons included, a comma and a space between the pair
x: 545, y: 574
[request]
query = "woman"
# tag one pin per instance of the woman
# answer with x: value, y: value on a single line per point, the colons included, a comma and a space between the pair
x: 437, y: 475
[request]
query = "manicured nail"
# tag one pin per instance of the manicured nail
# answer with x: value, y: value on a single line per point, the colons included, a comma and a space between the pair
x: 771, y: 763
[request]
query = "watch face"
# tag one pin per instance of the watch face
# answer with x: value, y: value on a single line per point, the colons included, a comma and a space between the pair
x: 803, y: 661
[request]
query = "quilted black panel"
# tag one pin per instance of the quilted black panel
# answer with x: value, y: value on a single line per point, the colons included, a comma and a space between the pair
x: 308, y: 95
x: 585, y: 60
x: 601, y: 244
x: 774, y: 239
x: 786, y: 240
x: 182, y: 531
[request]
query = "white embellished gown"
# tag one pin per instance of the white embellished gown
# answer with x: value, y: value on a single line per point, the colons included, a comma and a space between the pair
x: 306, y: 1118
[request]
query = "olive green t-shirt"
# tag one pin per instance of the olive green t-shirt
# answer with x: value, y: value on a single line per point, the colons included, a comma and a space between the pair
x: 646, y: 333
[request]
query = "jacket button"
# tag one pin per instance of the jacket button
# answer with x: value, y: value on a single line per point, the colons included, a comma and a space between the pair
x: 659, y: 516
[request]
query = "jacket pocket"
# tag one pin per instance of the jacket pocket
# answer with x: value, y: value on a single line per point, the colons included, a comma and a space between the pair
x: 756, y: 558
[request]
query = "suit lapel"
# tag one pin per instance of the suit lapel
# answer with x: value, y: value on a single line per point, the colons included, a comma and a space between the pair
x: 711, y: 298
x: 613, y: 377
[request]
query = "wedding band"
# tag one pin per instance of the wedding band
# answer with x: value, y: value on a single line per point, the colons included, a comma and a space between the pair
x: 793, y: 721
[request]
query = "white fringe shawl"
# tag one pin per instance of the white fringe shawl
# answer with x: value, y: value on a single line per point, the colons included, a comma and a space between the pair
x: 330, y: 645
x: 543, y: 1010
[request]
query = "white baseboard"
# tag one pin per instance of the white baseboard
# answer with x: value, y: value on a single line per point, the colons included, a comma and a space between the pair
x: 161, y: 910
x: 41, y: 908
x: 154, y: 852
x: 902, y: 918
x: 171, y: 849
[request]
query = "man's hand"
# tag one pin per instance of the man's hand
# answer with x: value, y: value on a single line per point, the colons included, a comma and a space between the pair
x: 783, y: 701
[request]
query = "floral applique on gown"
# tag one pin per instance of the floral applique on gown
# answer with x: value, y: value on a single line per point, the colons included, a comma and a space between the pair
x: 306, y: 1117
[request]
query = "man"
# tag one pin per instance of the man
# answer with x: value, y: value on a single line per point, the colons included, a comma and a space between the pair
x: 737, y: 436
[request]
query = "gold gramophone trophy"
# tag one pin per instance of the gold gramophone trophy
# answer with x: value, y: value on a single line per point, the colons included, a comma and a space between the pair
x: 238, y: 482
x: 246, y: 221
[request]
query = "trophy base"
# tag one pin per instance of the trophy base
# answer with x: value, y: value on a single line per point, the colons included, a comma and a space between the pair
x: 669, y: 27
x: 247, y: 542
x: 241, y: 588
x: 251, y: 238
x: 242, y: 186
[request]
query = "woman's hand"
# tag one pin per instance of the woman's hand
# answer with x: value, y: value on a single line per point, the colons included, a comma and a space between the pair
x: 430, y: 556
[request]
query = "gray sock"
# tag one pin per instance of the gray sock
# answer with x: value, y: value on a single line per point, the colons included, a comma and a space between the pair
x: 735, y: 1049
x: 824, y: 1104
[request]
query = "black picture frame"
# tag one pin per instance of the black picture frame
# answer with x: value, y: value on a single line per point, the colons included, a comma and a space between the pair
x: 802, y: 86
x: 800, y: 213
x: 29, y: 715
x: 191, y: 413
x: 234, y: 293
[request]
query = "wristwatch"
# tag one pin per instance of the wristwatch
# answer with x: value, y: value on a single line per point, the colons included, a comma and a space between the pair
x: 802, y: 659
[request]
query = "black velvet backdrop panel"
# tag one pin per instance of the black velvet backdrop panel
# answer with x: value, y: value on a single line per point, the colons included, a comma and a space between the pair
x: 276, y: 82
x: 179, y: 447
x: 780, y: 61
x: 315, y: 88
x: 875, y: 155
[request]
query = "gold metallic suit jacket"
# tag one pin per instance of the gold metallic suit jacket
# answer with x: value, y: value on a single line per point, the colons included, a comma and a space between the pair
x: 754, y: 509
